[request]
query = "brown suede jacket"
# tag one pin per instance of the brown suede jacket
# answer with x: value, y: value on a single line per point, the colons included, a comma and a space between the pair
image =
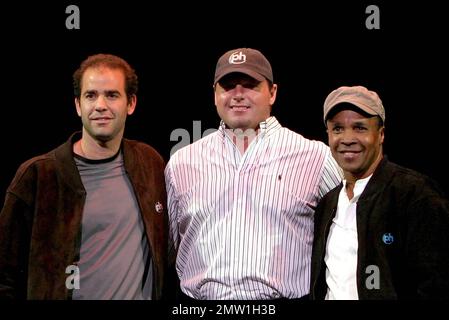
x: 40, y: 223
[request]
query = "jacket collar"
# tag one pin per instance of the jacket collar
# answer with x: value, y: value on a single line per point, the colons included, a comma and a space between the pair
x: 67, y: 169
x: 381, y: 176
x: 65, y: 163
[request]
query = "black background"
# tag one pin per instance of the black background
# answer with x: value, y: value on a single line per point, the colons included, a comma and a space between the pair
x: 174, y: 47
x: 313, y: 48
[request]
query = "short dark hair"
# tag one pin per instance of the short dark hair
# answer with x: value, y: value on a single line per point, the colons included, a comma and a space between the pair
x: 109, y: 61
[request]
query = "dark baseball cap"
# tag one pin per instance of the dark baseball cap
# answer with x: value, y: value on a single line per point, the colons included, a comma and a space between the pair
x: 244, y: 60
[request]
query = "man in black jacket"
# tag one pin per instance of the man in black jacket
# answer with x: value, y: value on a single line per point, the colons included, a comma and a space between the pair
x: 384, y: 232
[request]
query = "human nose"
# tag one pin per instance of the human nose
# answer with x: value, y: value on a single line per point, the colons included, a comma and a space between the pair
x: 238, y: 92
x: 347, y: 138
x: 100, y: 104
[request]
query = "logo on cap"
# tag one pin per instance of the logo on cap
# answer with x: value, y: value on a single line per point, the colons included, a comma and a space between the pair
x: 159, y: 207
x: 237, y: 57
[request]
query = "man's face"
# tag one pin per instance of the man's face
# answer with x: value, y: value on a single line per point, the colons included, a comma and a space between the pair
x: 242, y: 101
x: 355, y: 142
x: 103, y: 105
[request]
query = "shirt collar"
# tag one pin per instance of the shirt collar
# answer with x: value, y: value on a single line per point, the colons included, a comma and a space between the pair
x: 266, y: 127
x: 359, y: 186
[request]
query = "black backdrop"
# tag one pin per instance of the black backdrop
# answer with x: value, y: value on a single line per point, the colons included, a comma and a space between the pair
x: 313, y: 49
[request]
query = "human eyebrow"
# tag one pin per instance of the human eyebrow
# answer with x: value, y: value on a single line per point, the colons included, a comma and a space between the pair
x: 336, y: 128
x: 334, y: 124
x: 111, y: 93
x: 89, y: 93
x: 363, y: 124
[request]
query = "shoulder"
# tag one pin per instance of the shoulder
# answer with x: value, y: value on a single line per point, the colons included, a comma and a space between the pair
x: 332, y: 195
x: 404, y: 173
x: 39, y: 167
x: 44, y: 160
x: 414, y: 181
x: 301, y: 143
x: 141, y: 149
x: 299, y: 138
x: 196, y: 148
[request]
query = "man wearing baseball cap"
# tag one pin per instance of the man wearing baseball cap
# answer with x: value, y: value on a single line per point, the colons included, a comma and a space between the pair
x: 383, y: 233
x: 241, y: 200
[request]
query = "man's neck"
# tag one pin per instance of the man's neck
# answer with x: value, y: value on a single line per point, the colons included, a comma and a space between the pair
x: 350, y: 189
x: 92, y: 149
x: 351, y: 178
x: 242, y: 139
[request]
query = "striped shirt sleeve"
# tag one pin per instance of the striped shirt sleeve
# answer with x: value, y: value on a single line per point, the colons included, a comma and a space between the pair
x: 332, y: 175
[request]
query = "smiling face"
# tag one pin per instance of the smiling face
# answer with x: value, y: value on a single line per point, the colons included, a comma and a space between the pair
x: 356, y: 143
x: 103, y: 105
x: 243, y: 102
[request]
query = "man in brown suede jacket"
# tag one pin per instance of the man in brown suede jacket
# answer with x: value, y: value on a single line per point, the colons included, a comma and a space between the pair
x: 88, y: 219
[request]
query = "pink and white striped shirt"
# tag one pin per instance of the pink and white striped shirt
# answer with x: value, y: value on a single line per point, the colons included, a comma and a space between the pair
x: 242, y: 225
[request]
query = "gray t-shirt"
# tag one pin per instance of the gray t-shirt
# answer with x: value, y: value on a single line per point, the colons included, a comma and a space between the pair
x: 114, y: 260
